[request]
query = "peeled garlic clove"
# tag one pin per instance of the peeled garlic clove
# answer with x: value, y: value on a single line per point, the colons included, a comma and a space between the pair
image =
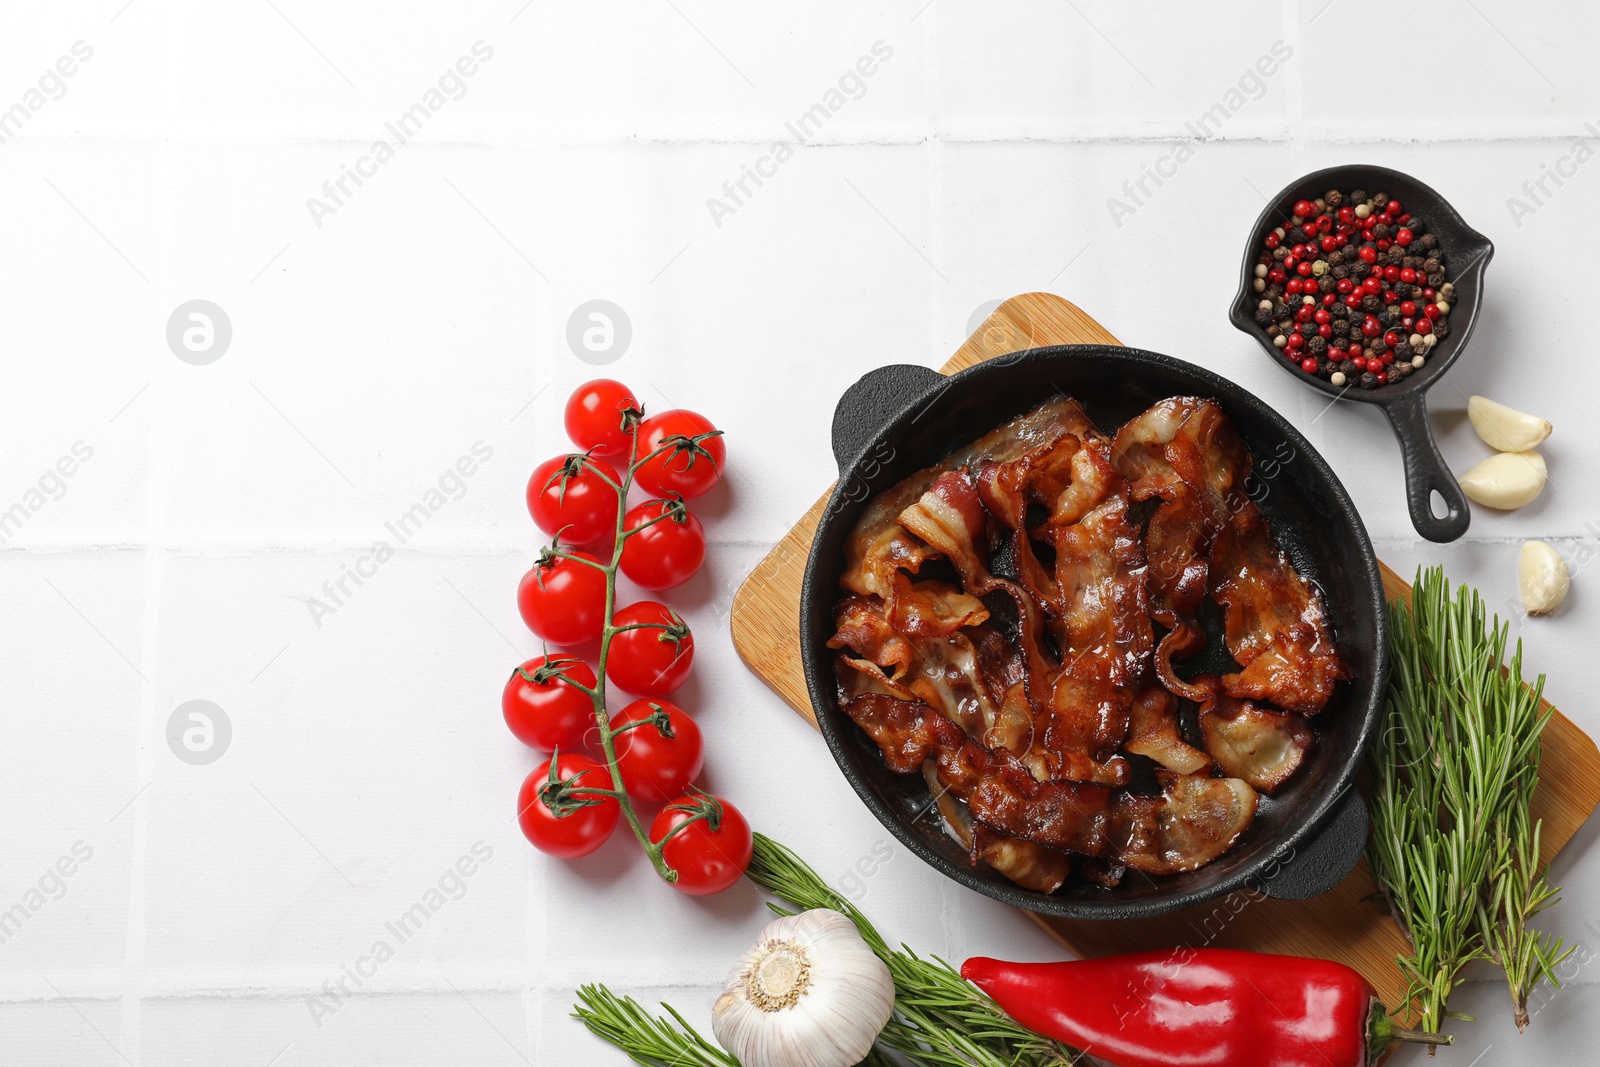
x: 1506, y: 429
x: 1506, y: 481
x: 1542, y: 576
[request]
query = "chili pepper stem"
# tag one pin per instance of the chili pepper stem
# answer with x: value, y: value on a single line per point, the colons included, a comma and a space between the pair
x: 597, y: 695
x: 1382, y: 1034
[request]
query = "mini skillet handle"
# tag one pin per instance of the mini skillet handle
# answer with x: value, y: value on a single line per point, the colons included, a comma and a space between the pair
x: 872, y: 403
x: 1426, y: 472
x: 1318, y: 865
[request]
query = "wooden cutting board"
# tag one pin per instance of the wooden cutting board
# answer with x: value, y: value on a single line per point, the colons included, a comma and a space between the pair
x: 1343, y: 924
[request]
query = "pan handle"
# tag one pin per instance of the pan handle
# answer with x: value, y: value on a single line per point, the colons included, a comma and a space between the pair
x: 872, y: 403
x: 1426, y: 471
x: 1317, y: 865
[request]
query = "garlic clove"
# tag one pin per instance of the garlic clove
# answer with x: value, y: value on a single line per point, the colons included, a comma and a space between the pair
x: 1505, y: 428
x: 1542, y: 576
x: 1506, y: 481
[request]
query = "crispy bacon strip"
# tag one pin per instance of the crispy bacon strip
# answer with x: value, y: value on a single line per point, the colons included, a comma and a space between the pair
x: 1262, y: 746
x: 1274, y: 621
x: 1030, y: 865
x: 1195, y: 820
x: 998, y: 790
x: 1100, y: 568
x: 1153, y: 732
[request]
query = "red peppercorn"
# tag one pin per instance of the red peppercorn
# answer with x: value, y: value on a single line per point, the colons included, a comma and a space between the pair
x: 1329, y: 243
x: 1388, y: 358
x: 1276, y: 275
x: 1294, y: 286
x: 1428, y: 294
x: 1406, y: 322
x: 1408, y: 307
x: 1368, y: 255
x: 1321, y: 317
x: 1371, y: 286
x: 1304, y: 314
x: 1305, y: 208
x: 1344, y: 285
x: 1403, y: 238
x: 1403, y: 218
x: 1408, y: 275
x: 1347, y: 214
x: 1383, y: 377
x: 1391, y: 273
x: 1272, y: 240
x: 1370, y: 326
x: 1391, y: 339
x: 1432, y: 311
x: 1384, y: 244
x: 1295, y: 341
x: 1353, y: 300
x: 1390, y: 298
x: 1309, y: 365
x: 1328, y: 299
x: 1424, y: 325
x: 1360, y: 362
x: 1304, y: 268
x: 1325, y: 331
x: 1393, y: 207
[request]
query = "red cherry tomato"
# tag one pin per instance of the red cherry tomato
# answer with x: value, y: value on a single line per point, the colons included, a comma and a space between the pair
x: 567, y: 497
x: 562, y: 601
x: 594, y: 418
x: 657, y: 765
x: 666, y: 552
x: 693, y: 459
x: 652, y: 660
x: 542, y: 710
x: 576, y: 825
x: 710, y: 854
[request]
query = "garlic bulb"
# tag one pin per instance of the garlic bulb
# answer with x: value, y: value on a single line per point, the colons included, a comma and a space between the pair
x: 809, y: 993
x: 1542, y: 576
x: 1503, y: 428
x: 1505, y: 481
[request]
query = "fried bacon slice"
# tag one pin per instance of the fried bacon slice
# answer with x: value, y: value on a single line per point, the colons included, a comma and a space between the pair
x: 997, y: 788
x: 1185, y: 452
x: 1275, y: 624
x: 1100, y: 568
x: 1153, y: 732
x: 1193, y: 821
x: 1262, y: 746
x: 1030, y: 865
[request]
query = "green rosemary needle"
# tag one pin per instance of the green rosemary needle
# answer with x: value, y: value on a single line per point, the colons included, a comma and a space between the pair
x: 1453, y: 845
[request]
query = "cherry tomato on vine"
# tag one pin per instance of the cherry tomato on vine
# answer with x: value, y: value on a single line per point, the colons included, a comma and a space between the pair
x: 653, y: 659
x: 694, y: 457
x: 568, y: 497
x: 542, y: 710
x: 711, y: 853
x: 666, y: 552
x: 594, y: 418
x: 659, y: 757
x: 564, y: 601
x: 562, y: 822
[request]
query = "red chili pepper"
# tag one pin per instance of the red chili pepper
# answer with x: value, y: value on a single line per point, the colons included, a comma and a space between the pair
x: 1205, y: 1007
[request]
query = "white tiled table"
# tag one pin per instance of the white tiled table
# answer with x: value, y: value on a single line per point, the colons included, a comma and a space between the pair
x: 428, y: 313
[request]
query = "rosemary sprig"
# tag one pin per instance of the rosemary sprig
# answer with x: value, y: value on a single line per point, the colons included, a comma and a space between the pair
x: 1453, y: 844
x: 940, y: 1019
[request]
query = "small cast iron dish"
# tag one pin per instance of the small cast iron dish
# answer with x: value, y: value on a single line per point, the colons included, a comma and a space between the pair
x: 898, y: 419
x: 1466, y: 254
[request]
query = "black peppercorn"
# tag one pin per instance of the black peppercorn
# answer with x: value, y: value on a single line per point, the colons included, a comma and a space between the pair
x: 1335, y: 258
x: 1341, y: 311
x: 1429, y: 241
x: 1402, y: 351
x: 1369, y: 380
x: 1381, y: 230
x: 1411, y: 262
x: 1333, y: 198
x: 1431, y: 264
x: 1436, y: 278
x: 1393, y: 256
x: 1339, y: 269
x: 1280, y: 311
x: 1263, y: 315
x: 1370, y: 302
x: 1441, y: 328
x: 1341, y: 327
x: 1308, y: 329
x: 1317, y: 346
x: 1295, y: 236
x: 1358, y: 196
x: 1401, y: 368
x: 1379, y: 199
x: 1325, y: 284
x: 1347, y: 367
